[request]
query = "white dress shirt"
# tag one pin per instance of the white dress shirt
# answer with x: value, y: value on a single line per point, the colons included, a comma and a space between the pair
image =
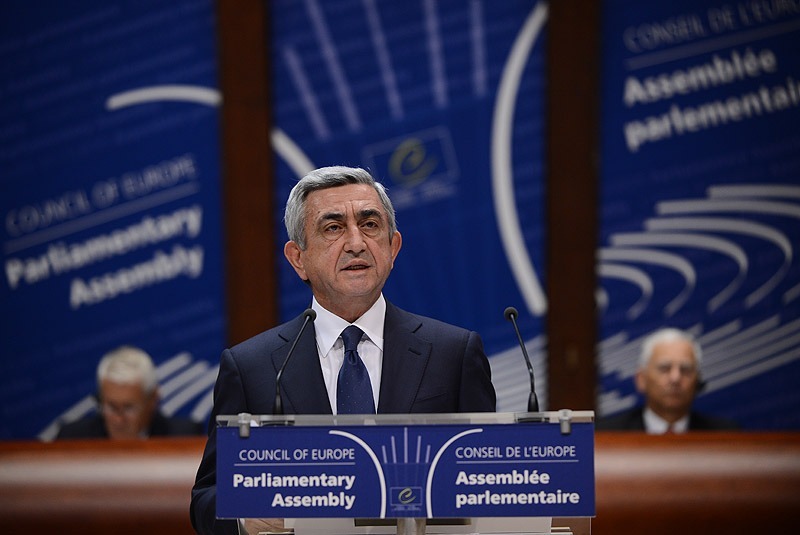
x: 656, y: 425
x: 329, y: 327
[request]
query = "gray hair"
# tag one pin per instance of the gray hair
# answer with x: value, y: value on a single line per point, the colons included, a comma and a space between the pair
x: 128, y: 365
x: 668, y: 335
x: 329, y: 177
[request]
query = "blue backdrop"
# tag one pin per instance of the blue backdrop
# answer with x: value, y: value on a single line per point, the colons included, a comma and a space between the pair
x: 444, y: 103
x: 110, y: 183
x: 701, y: 198
x: 109, y: 204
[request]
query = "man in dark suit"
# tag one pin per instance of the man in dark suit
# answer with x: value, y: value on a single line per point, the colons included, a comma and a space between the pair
x: 127, y: 387
x: 668, y: 378
x: 343, y: 241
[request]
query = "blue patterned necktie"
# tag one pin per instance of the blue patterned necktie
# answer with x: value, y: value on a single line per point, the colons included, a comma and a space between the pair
x: 354, y: 390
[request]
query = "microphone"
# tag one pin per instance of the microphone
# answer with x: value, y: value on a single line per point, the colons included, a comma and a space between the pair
x: 277, y: 407
x: 511, y: 315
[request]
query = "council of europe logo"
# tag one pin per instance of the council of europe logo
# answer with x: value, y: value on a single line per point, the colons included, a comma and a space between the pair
x: 406, y: 498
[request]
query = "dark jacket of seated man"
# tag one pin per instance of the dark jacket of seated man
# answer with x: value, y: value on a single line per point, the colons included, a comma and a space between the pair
x: 160, y: 426
x: 634, y: 420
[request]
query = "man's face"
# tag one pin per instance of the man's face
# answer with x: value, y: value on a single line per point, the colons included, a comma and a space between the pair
x: 669, y: 381
x: 349, y: 253
x: 126, y: 408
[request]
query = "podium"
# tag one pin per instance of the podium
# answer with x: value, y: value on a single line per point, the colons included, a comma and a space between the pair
x: 408, y: 473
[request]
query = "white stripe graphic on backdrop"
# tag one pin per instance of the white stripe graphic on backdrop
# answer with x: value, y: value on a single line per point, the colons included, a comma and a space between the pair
x: 744, y: 206
x: 502, y: 171
x: 720, y: 335
x: 384, y: 62
x: 179, y: 381
x: 172, y: 365
x: 478, y: 41
x: 159, y: 93
x: 752, y: 347
x: 291, y: 153
x: 435, y: 54
x: 736, y: 226
x: 658, y: 258
x: 635, y: 276
x: 307, y: 97
x: 720, y: 340
x: 791, y: 294
x: 335, y: 70
x: 190, y: 390
x: 756, y: 369
x: 710, y: 243
x: 717, y: 205
x: 751, y: 190
x: 624, y: 361
x: 613, y: 342
x: 204, y: 405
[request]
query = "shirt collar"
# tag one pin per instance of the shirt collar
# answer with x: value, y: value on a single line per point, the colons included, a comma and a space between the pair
x: 656, y: 425
x: 329, y: 326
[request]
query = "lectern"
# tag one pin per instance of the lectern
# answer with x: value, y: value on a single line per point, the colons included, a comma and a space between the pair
x: 408, y: 473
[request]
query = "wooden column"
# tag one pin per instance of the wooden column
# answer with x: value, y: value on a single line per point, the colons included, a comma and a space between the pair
x: 247, y: 176
x: 573, y: 59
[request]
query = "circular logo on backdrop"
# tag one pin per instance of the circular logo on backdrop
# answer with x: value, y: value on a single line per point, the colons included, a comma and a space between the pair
x: 410, y: 163
x: 406, y: 496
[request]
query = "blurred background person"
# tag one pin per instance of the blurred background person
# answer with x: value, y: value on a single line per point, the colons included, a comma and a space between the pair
x: 127, y: 390
x: 668, y: 379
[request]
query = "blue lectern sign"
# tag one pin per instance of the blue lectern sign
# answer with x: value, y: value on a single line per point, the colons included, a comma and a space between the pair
x: 396, y: 471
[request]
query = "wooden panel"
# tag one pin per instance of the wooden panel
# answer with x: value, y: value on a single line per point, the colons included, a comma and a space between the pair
x: 248, y: 207
x: 696, y: 483
x: 86, y: 487
x: 689, y: 484
x: 573, y: 58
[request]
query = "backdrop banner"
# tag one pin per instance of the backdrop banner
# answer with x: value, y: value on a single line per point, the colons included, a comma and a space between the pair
x: 109, y: 153
x: 444, y: 103
x: 701, y: 199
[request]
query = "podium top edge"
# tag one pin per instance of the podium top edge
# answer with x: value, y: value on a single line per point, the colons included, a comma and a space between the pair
x: 467, y: 418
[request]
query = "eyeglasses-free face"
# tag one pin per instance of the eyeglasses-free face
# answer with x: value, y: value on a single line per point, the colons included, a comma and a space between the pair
x: 669, y: 381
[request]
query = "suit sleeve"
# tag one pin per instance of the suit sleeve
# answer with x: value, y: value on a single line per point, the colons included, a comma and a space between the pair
x: 477, y: 392
x: 229, y: 398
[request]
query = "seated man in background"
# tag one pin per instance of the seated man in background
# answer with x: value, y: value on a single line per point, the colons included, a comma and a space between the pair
x: 668, y: 378
x: 127, y: 387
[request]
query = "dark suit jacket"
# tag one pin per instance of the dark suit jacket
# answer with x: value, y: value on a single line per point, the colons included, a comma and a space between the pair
x: 428, y: 367
x: 633, y: 420
x: 94, y: 427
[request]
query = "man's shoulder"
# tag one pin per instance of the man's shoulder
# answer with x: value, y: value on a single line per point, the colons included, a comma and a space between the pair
x: 269, y: 339
x: 174, y: 426
x: 87, y: 427
x: 630, y: 420
x: 421, y: 324
x: 706, y: 422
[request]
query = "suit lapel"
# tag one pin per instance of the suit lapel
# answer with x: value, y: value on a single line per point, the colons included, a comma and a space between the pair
x: 405, y: 357
x: 302, y: 384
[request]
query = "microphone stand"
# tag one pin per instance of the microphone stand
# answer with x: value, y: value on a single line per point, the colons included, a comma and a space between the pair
x: 533, y: 402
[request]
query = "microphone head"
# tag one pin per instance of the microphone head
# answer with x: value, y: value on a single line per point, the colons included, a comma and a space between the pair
x: 310, y: 313
x: 511, y: 313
